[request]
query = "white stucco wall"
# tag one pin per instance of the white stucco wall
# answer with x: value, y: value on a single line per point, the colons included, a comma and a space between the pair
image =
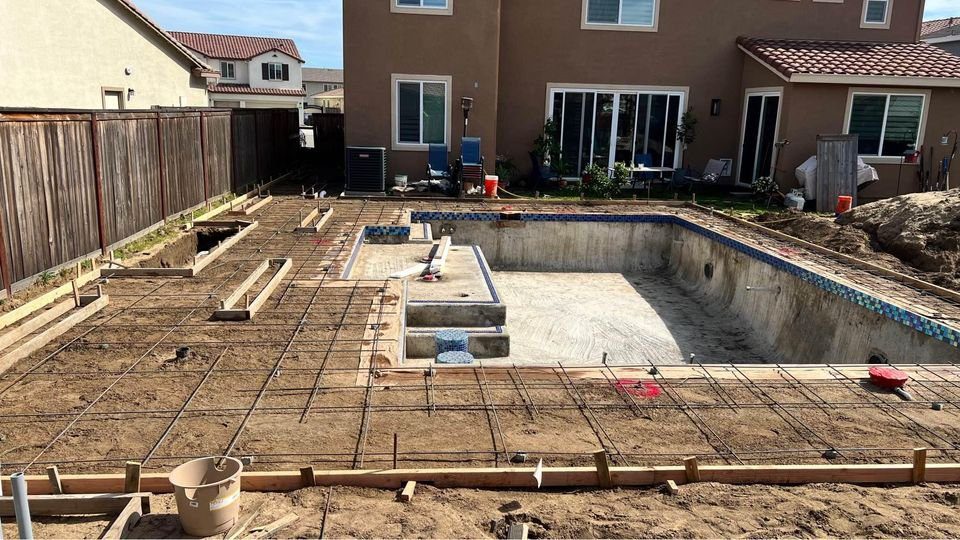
x: 256, y: 71
x: 61, y: 53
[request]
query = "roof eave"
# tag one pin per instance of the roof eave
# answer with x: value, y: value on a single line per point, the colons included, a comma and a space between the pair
x: 877, y: 80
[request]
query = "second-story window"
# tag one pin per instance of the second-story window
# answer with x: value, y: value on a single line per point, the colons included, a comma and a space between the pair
x: 275, y: 71
x: 228, y: 70
x: 641, y: 14
x: 876, y: 13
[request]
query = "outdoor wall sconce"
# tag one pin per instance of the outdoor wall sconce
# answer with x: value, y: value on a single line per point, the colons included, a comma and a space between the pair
x: 466, y: 103
x: 131, y: 93
x: 945, y: 140
x: 715, y: 107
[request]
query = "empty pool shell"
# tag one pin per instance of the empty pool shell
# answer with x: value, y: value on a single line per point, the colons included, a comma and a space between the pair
x: 452, y: 341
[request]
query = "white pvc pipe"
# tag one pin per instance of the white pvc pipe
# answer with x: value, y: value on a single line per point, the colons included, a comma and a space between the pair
x: 18, y: 485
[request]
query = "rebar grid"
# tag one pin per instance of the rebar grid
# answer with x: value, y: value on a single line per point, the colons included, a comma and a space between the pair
x: 283, y: 388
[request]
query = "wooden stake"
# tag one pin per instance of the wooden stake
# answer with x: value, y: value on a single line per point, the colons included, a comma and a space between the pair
x: 672, y: 488
x: 76, y: 292
x: 919, y: 465
x: 603, y: 469
x: 131, y: 482
x: 692, y: 468
x: 307, y: 475
x: 56, y: 487
x: 396, y: 444
x: 407, y: 494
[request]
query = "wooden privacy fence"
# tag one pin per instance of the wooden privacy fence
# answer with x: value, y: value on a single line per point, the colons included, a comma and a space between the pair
x: 74, y: 183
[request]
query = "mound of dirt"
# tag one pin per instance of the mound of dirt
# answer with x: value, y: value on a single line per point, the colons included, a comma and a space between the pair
x: 917, y: 234
x: 922, y: 229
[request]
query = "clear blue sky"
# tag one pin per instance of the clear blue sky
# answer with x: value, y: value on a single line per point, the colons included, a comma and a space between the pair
x: 315, y: 24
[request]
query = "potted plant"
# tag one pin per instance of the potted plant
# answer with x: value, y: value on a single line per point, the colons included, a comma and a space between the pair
x: 547, y: 150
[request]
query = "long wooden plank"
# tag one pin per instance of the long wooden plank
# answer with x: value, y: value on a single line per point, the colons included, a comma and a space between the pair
x: 57, y: 330
x: 522, y: 477
x: 205, y: 261
x: 45, y: 299
x: 252, y: 206
x: 306, y: 227
x: 36, y: 323
x: 228, y: 312
x: 239, y: 200
x: 147, y: 272
x: 73, y: 504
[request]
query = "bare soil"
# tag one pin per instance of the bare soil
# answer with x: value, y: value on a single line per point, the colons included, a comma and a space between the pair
x: 917, y: 234
x: 697, y: 511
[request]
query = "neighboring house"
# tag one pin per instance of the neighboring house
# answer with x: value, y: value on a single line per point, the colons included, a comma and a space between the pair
x: 255, y: 72
x: 94, y: 54
x: 617, y: 75
x: 944, y: 33
x: 319, y: 80
x: 330, y: 101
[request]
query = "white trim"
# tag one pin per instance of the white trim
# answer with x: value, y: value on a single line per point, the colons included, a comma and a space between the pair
x: 885, y: 24
x: 942, y: 39
x: 921, y: 129
x: 397, y: 78
x: 620, y: 27
x: 764, y: 92
x: 421, y: 10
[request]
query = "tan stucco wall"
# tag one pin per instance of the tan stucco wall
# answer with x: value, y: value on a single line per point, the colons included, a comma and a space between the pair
x: 464, y: 46
x: 60, y: 53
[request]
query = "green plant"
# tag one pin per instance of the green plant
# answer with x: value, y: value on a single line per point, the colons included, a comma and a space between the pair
x: 621, y: 174
x: 46, y: 278
x: 764, y: 186
x: 596, y: 183
x: 506, y: 170
x: 687, y: 129
x: 547, y: 148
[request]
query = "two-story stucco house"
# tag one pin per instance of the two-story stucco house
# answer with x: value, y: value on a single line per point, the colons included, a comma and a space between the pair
x: 255, y: 72
x: 618, y: 76
x: 944, y: 33
x: 94, y: 54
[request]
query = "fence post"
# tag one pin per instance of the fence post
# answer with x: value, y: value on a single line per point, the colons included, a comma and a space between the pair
x: 4, y: 264
x: 163, y: 169
x: 203, y: 157
x: 98, y: 182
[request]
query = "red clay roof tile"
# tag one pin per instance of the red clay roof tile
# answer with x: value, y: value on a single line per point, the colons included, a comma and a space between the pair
x: 225, y: 47
x: 224, y: 88
x: 853, y: 58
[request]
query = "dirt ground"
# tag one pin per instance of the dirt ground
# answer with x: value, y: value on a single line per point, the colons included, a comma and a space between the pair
x: 917, y: 234
x: 697, y: 511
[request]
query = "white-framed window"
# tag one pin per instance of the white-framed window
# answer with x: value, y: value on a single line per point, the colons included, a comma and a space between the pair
x: 635, y: 15
x: 421, y: 111
x: 876, y: 14
x: 425, y: 7
x: 228, y: 70
x: 274, y: 71
x: 889, y: 123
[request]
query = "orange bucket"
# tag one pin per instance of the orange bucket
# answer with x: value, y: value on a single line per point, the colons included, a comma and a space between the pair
x: 844, y: 203
x: 490, y: 186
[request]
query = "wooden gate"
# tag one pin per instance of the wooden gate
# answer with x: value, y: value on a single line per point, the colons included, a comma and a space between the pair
x: 836, y: 169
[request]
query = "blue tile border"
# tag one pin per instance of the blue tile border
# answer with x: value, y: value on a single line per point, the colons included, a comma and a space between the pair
x: 904, y: 316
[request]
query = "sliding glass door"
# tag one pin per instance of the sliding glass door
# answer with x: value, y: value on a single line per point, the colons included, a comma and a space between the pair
x: 760, y: 125
x: 612, y: 126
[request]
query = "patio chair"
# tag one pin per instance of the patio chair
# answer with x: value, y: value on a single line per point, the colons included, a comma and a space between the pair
x: 714, y: 171
x: 470, y: 164
x: 438, y: 163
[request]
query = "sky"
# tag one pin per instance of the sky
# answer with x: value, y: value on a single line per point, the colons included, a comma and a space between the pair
x: 315, y: 25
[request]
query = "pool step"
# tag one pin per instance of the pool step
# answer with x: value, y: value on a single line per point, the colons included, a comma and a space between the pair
x: 492, y: 342
x: 421, y: 233
x: 455, y: 315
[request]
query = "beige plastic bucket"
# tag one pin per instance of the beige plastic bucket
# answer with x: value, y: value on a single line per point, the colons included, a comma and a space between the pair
x: 208, y: 497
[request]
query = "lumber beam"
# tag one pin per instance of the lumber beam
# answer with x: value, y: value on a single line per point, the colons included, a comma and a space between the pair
x: 311, y: 224
x: 41, y: 340
x: 522, y: 477
x: 603, y: 469
x: 229, y: 205
x: 228, y: 308
x: 45, y: 299
x: 671, y: 487
x: 36, y: 323
x: 408, y: 490
x: 251, y: 206
x: 124, y: 523
x: 202, y: 262
x: 440, y: 258
x: 74, y: 504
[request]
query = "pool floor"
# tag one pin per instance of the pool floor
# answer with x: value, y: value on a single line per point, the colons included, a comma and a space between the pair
x: 637, y: 319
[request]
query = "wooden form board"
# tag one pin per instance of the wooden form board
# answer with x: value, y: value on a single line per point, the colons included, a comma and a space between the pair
x: 199, y: 263
x: 44, y: 300
x: 251, y: 206
x: 128, y: 509
x: 311, y: 224
x: 90, y: 305
x: 440, y: 258
x: 522, y: 477
x: 230, y: 205
x: 228, y: 310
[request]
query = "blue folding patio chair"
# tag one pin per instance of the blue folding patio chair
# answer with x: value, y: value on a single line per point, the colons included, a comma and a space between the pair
x: 470, y: 164
x: 438, y: 162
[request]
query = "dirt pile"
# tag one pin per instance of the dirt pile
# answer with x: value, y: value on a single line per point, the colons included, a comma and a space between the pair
x: 917, y: 234
x: 921, y: 229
